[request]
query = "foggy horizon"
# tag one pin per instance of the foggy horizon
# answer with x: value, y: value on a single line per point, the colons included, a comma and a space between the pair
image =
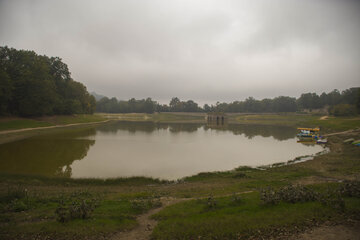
x: 206, y: 51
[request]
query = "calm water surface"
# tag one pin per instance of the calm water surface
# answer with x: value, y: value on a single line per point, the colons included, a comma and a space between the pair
x: 167, y: 151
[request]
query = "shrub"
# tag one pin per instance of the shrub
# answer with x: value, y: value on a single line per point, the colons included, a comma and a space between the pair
x: 17, y: 205
x: 269, y: 196
x: 80, y: 205
x: 350, y: 189
x: 15, y: 200
x: 211, y: 203
x: 13, y: 193
x: 333, y: 199
x: 236, y: 199
x: 343, y: 110
x: 294, y: 194
x: 290, y: 194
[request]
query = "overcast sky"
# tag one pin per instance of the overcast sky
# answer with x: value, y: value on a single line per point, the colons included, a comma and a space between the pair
x: 203, y: 50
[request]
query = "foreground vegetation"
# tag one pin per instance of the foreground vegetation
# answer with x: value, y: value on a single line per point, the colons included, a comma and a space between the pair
x: 215, y: 205
x: 244, y: 216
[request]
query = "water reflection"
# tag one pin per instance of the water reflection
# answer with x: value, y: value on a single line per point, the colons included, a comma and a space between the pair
x: 50, y: 155
x: 161, y: 150
x: 250, y: 131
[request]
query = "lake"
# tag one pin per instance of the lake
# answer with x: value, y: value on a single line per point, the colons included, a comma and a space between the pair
x: 160, y: 150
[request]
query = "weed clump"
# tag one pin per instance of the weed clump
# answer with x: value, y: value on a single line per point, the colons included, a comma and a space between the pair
x: 236, y: 199
x: 269, y: 196
x: 350, y: 189
x: 15, y: 200
x: 293, y: 194
x: 289, y: 194
x: 333, y: 199
x: 211, y: 203
x: 80, y: 206
x: 298, y: 193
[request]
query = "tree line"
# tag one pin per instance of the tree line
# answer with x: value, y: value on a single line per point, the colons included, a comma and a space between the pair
x: 35, y: 85
x: 339, y: 103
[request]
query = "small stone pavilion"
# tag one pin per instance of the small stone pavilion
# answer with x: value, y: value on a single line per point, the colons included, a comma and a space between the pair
x: 216, y: 118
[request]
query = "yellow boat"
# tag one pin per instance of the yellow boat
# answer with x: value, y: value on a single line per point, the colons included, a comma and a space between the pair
x: 310, y: 129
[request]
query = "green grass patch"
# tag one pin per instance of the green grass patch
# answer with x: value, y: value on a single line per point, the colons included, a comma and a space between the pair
x: 13, y: 124
x: 78, y: 118
x: 194, y: 219
x: 20, y: 123
x: 112, y: 214
x: 330, y: 124
x: 51, y: 181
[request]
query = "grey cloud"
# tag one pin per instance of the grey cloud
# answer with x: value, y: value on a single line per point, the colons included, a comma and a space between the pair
x: 201, y: 50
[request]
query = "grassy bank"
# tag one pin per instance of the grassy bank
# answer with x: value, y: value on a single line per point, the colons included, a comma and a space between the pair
x: 13, y: 123
x: 329, y: 124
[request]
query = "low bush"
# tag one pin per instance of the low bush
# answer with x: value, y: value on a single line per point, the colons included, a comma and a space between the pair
x: 298, y: 193
x: 289, y: 194
x: 211, y: 203
x: 294, y: 194
x: 333, y: 199
x: 343, y: 110
x: 350, y: 189
x: 236, y: 199
x: 15, y: 200
x: 269, y: 196
x: 80, y: 205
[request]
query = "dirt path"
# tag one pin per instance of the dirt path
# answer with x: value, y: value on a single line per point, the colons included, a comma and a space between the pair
x: 337, y: 232
x: 147, y: 224
x: 56, y: 126
x: 339, y: 133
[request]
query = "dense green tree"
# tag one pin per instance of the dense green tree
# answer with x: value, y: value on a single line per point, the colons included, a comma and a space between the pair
x: 5, y: 91
x: 279, y: 104
x: 34, y: 85
x: 131, y: 106
x: 284, y: 104
x: 358, y: 101
x: 309, y: 101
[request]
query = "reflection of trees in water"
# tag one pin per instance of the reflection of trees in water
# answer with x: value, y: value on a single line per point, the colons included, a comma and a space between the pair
x: 148, y: 127
x: 250, y: 131
x: 49, y: 155
x: 176, y: 128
